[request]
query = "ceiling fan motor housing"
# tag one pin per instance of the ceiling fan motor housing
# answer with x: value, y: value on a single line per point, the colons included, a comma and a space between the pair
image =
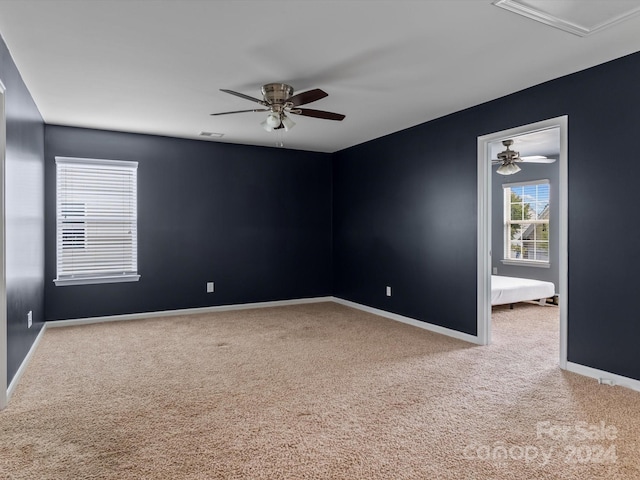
x: 276, y: 93
x: 508, y: 156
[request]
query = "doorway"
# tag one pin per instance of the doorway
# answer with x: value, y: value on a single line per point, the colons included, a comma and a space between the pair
x: 484, y: 234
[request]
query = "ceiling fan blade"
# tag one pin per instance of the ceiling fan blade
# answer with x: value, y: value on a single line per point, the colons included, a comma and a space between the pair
x: 242, y: 95
x: 307, y: 97
x: 537, y: 159
x: 241, y: 111
x: 308, y: 112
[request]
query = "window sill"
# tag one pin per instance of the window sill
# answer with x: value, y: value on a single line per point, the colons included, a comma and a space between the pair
x: 94, y: 280
x: 526, y: 263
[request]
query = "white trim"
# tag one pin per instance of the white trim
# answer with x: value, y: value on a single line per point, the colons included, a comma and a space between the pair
x: 604, y: 377
x: 526, y: 263
x: 409, y: 321
x: 64, y: 282
x: 519, y: 7
x: 484, y: 227
x: 563, y: 247
x: 279, y: 303
x: 4, y: 397
x: 97, y: 161
x: 484, y: 244
x: 185, y: 311
x: 542, y: 181
x: 25, y: 363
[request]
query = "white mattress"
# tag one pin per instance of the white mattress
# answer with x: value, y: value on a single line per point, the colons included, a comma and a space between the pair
x: 512, y: 290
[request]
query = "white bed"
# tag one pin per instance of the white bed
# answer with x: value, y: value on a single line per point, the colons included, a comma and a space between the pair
x: 510, y: 290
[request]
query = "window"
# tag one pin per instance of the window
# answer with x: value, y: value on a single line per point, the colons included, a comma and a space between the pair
x: 96, y: 213
x: 526, y: 222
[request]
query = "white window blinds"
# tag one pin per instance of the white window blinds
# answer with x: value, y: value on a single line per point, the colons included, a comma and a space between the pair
x: 96, y: 211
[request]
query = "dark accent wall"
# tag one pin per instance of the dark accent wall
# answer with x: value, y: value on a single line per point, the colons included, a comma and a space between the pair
x: 405, y: 212
x: 529, y: 172
x: 254, y: 220
x: 24, y: 214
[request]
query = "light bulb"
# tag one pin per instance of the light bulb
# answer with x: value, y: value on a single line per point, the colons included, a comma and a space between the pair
x: 288, y: 123
x: 273, y: 120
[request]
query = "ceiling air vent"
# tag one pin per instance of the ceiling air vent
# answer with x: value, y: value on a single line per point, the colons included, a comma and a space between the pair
x: 210, y: 135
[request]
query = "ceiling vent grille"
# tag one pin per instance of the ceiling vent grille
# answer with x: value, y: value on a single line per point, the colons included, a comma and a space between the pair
x: 211, y: 135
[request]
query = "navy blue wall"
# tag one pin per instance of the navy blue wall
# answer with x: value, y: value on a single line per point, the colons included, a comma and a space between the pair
x: 254, y: 220
x: 24, y: 214
x: 405, y: 212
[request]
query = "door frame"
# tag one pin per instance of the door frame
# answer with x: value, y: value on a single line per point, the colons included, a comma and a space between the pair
x: 4, y: 385
x: 484, y: 227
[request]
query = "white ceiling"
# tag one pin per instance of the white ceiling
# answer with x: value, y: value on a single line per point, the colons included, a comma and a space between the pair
x: 156, y: 66
x: 543, y: 142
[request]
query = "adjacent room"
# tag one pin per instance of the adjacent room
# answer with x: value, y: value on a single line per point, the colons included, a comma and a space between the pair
x: 346, y: 240
x: 525, y: 194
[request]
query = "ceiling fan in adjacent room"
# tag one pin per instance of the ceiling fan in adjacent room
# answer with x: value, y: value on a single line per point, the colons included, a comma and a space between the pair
x: 508, y: 160
x: 279, y: 101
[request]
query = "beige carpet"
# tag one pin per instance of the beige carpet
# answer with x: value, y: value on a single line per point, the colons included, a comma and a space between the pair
x: 316, y: 391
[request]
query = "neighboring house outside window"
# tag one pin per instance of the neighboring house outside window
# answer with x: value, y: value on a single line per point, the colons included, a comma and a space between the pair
x: 526, y: 223
x: 96, y: 221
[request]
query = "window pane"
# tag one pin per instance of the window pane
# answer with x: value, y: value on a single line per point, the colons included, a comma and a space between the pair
x: 528, y: 231
x: 543, y: 192
x: 542, y: 232
x: 529, y: 193
x: 528, y: 250
x: 516, y: 211
x: 515, y: 251
x: 543, y: 251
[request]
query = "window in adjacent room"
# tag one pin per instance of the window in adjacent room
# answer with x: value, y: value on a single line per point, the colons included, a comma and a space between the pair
x: 96, y: 212
x: 526, y: 223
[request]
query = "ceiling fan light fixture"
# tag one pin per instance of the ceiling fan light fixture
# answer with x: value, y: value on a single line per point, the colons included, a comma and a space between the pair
x: 273, y: 120
x: 287, y: 123
x: 508, y: 169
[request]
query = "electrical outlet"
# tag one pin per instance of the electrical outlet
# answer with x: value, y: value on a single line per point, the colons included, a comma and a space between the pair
x: 210, y: 287
x: 29, y: 319
x: 388, y: 291
x: 495, y: 270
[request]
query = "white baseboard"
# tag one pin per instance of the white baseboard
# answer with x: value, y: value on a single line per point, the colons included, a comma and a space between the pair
x: 185, y: 311
x: 25, y: 362
x: 410, y: 321
x: 603, y: 377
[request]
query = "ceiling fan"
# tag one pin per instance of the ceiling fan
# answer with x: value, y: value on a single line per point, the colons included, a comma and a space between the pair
x: 278, y: 100
x: 508, y: 160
